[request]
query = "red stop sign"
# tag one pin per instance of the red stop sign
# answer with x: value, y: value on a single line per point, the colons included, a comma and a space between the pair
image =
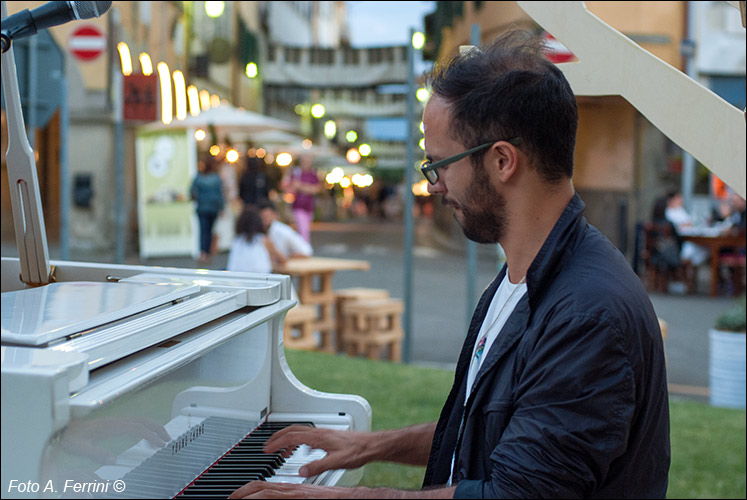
x: 87, y: 43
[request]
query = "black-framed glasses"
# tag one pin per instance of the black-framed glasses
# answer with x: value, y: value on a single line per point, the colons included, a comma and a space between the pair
x: 430, y: 169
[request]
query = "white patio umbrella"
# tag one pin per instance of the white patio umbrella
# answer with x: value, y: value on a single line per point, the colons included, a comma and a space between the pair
x: 228, y: 121
x: 279, y: 141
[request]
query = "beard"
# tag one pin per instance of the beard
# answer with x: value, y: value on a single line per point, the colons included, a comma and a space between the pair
x: 483, y: 211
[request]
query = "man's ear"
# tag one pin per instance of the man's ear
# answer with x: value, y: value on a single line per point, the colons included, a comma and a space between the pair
x: 505, y: 158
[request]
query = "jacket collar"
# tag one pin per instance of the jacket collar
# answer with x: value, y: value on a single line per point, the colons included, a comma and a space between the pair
x: 547, y: 262
x: 541, y: 272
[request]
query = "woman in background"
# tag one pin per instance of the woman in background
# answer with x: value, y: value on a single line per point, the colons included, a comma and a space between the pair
x: 207, y: 192
x: 251, y: 250
x: 304, y: 183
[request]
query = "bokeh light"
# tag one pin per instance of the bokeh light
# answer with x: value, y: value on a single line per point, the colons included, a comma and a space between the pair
x: 317, y: 111
x: 214, y: 9
x: 284, y: 159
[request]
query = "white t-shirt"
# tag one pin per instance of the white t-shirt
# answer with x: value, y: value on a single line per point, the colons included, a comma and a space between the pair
x: 679, y: 217
x: 503, y: 304
x: 696, y: 254
x: 287, y: 241
x: 249, y: 256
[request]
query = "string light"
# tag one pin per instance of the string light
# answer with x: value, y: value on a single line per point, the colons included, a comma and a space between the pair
x: 204, y: 100
x: 125, y: 58
x: 180, y: 93
x: 194, y: 100
x: 146, y: 65
x: 165, y: 79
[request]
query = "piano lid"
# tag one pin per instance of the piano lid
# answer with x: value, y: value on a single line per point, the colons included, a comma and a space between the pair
x: 261, y: 291
x: 37, y: 316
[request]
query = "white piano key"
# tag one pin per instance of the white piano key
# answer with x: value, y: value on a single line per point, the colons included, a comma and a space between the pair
x: 303, y: 455
x: 287, y: 479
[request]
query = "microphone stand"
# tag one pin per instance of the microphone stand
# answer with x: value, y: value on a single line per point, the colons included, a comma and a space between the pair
x: 5, y: 42
x: 28, y: 218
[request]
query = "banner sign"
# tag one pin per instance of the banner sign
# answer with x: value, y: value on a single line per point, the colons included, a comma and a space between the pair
x: 140, y: 97
x: 166, y: 165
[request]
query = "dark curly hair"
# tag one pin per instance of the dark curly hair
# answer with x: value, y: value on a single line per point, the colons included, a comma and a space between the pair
x: 249, y: 223
x: 507, y: 89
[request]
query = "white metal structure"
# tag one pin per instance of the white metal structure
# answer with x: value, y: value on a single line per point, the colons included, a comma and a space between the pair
x: 609, y: 63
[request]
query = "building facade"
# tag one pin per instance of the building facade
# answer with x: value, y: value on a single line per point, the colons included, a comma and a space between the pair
x: 210, y: 50
x: 622, y: 161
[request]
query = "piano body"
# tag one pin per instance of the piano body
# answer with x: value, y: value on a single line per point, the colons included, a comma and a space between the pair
x: 130, y: 381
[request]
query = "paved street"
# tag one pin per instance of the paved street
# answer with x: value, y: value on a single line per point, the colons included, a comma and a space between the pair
x: 440, y: 312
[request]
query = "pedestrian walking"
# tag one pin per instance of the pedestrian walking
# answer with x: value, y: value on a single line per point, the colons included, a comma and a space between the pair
x: 207, y: 193
x: 303, y: 182
x: 253, y: 183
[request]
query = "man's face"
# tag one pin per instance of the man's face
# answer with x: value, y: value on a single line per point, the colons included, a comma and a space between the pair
x: 478, y: 207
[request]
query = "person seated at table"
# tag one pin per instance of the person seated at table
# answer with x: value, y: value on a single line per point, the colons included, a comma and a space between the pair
x: 251, y: 249
x: 287, y: 241
x: 684, y: 222
x: 731, y: 213
x: 665, y: 252
x: 731, y: 216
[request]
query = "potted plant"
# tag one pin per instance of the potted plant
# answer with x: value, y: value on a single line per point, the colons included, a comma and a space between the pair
x: 727, y: 356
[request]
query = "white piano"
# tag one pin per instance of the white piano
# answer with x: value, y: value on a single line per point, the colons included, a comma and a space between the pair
x: 142, y: 382
x: 133, y: 381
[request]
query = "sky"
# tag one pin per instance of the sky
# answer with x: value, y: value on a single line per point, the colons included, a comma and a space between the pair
x: 377, y: 24
x: 385, y: 23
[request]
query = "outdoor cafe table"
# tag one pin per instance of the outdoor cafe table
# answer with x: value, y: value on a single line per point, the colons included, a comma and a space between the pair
x: 715, y: 243
x: 314, y: 275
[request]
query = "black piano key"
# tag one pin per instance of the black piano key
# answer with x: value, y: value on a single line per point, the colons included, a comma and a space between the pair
x: 227, y: 480
x: 243, y: 463
x: 208, y: 493
x: 273, y: 461
x: 265, y: 470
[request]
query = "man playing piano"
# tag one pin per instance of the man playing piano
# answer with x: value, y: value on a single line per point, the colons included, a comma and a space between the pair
x: 560, y: 389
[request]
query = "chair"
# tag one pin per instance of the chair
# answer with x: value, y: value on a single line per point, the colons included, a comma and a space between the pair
x: 734, y: 264
x: 660, y: 255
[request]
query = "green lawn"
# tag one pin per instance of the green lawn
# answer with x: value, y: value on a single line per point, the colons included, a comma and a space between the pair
x: 708, y: 444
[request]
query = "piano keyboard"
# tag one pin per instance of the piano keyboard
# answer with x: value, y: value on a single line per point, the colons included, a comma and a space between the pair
x: 247, y: 462
x: 164, y: 475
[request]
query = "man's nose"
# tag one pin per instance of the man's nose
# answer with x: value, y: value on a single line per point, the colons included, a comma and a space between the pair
x: 437, y: 188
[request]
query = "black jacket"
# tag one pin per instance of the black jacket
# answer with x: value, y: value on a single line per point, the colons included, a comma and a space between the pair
x: 571, y: 400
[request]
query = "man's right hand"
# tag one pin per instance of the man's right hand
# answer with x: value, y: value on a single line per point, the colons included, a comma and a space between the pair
x: 345, y: 449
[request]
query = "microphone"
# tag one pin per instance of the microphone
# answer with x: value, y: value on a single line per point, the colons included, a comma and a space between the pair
x: 26, y: 23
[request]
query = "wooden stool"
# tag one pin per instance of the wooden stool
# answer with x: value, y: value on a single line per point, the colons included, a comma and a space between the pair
x: 371, y: 325
x: 298, y: 329
x: 664, y: 327
x: 348, y: 295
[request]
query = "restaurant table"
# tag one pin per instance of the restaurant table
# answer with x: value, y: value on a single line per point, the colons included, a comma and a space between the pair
x: 314, y: 276
x: 715, y: 243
